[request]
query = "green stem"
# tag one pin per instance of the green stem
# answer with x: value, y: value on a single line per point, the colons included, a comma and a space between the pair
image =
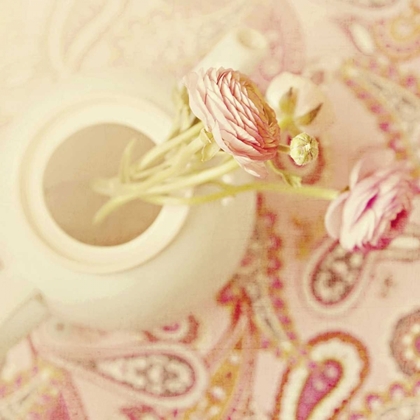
x: 283, y: 148
x: 159, y: 150
x: 187, y: 181
x: 110, y: 206
x: 306, y: 191
x: 124, y: 172
x: 228, y: 191
x: 137, y: 175
x: 285, y: 122
x: 198, y: 179
x: 178, y: 165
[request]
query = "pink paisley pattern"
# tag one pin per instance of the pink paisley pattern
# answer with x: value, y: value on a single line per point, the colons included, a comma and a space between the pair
x: 405, y: 343
x: 397, y: 36
x: 369, y: 3
x: 42, y: 392
x: 319, y: 385
x: 304, y: 330
x: 398, y: 401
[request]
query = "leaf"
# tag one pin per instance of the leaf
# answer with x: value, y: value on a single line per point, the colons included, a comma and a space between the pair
x: 294, y: 181
x: 309, y: 116
x: 290, y: 179
x: 287, y: 103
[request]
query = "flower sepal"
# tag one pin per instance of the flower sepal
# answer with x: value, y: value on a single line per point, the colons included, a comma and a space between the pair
x: 210, y: 147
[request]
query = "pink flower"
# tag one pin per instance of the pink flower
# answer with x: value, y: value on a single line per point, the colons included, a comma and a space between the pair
x: 377, y: 205
x: 309, y: 97
x: 235, y: 112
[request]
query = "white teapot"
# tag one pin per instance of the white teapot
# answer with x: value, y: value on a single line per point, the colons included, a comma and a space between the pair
x: 143, y: 267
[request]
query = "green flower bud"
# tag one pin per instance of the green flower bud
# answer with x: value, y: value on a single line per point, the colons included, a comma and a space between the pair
x: 303, y: 149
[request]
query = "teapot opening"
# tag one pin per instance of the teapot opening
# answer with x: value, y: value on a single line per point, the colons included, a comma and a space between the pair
x: 90, y: 153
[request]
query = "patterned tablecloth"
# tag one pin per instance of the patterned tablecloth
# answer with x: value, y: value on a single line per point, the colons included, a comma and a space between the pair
x: 304, y: 330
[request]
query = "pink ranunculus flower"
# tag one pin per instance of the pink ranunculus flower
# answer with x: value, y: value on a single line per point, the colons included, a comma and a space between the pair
x: 377, y: 205
x: 235, y: 112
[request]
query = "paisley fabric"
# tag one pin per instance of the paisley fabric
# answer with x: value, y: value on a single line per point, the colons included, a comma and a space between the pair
x: 304, y: 330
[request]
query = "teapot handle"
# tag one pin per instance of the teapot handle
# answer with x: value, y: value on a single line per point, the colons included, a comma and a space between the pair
x: 21, y: 310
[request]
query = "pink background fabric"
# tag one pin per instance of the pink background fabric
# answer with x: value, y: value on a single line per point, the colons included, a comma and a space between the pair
x: 304, y: 330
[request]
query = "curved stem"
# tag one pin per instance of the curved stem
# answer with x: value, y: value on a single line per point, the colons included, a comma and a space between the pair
x: 313, y: 192
x: 124, y: 172
x: 111, y: 206
x: 178, y: 165
x: 187, y: 181
x: 159, y: 150
x: 137, y: 175
x: 228, y: 191
x: 283, y: 148
x: 198, y: 179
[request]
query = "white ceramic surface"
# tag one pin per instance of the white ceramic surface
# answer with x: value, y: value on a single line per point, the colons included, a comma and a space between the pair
x: 180, y: 260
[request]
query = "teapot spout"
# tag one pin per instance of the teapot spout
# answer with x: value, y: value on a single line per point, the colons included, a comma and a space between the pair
x: 241, y: 49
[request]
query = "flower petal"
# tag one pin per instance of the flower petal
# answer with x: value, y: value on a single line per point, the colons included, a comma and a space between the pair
x: 334, y: 215
x: 369, y: 164
x: 254, y: 168
x: 377, y: 206
x: 236, y: 113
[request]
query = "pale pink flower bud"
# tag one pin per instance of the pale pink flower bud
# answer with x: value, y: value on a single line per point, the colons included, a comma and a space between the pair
x: 235, y: 112
x: 309, y: 99
x: 377, y: 205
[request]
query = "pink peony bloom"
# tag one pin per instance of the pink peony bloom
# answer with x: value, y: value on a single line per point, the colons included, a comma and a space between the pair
x: 235, y: 112
x: 377, y: 205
